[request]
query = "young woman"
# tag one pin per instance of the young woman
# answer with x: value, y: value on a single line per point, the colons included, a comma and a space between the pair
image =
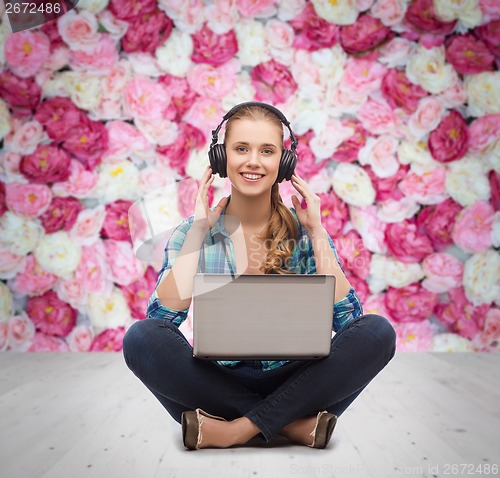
x: 226, y: 403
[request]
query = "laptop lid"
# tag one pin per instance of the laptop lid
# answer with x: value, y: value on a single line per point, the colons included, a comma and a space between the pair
x: 262, y: 317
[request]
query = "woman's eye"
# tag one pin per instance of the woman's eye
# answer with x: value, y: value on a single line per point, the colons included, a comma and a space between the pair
x: 268, y: 151
x: 240, y: 149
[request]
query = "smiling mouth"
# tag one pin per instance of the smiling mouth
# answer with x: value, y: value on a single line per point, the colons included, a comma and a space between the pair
x: 254, y: 180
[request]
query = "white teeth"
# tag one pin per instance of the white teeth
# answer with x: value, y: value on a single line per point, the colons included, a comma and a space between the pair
x: 252, y: 176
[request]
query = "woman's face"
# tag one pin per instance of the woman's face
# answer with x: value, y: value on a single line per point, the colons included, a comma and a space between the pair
x: 253, y: 146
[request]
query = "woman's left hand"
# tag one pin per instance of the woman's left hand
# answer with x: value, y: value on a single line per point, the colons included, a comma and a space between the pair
x: 310, y: 218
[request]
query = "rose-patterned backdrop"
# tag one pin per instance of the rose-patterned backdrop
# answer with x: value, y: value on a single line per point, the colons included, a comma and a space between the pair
x: 396, y: 105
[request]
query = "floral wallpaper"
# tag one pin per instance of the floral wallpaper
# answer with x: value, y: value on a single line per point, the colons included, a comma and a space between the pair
x: 396, y: 105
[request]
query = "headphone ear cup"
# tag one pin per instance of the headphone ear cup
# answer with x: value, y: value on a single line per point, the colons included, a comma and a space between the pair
x: 287, y: 165
x: 217, y: 156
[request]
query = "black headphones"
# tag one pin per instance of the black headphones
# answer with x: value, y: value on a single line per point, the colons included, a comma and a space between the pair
x: 217, y: 152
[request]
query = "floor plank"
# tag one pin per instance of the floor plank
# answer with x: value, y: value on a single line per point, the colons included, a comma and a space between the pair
x: 86, y: 415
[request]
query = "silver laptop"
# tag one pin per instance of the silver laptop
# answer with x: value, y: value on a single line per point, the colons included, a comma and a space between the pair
x: 262, y: 317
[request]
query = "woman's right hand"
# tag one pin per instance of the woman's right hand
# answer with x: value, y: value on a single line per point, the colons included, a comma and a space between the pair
x: 204, y: 217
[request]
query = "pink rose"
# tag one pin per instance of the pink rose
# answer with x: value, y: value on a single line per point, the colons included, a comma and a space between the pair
x: 396, y: 52
x: 92, y: 272
x: 145, y: 99
x: 273, y: 82
x: 421, y: 14
x: 366, y: 33
x: 427, y: 116
x: 353, y: 254
x: 21, y: 333
x: 80, y: 183
x: 24, y: 136
x: 214, y: 82
x: 30, y: 200
x: 256, y: 8
x: 205, y: 114
x: 73, y: 292
x: 412, y: 303
x: 109, y: 340
x: 23, y: 95
x: 334, y: 212
x: 309, y: 165
x: 4, y: 335
x: 377, y: 117
x: 375, y: 304
x: 390, y: 12
x: 146, y: 32
x: 103, y: 55
x: 469, y: 55
x: 473, y: 226
x: 88, y: 225
x: 26, y: 52
x: 137, y: 293
x: 490, y: 10
x: 460, y: 315
x: 124, y: 266
x: 208, y: 47
x: 186, y: 196
x: 10, y: 264
x: 443, y: 272
x: 414, y: 336
x: 58, y: 115
x: 450, y: 140
x: 80, y: 338
x: 46, y: 343
x: 490, y: 33
x: 313, y: 32
x: 33, y: 280
x: 124, y: 10
x: 371, y: 228
x: 48, y: 164
x: 484, y: 133
x: 380, y: 154
x: 348, y: 151
x: 87, y: 142
x: 79, y: 30
x: 426, y: 188
x: 438, y: 221
x: 490, y: 335
x: 3, y: 205
x: 126, y: 140
x: 362, y: 76
x: 116, y: 221
x: 387, y: 188
x: 51, y: 315
x: 183, y: 96
x: 177, y: 153
x: 400, y: 92
x: 406, y: 243
x: 359, y: 285
x: 494, y: 180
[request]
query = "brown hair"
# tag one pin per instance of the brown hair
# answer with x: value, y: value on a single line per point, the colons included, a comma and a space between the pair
x: 282, y: 231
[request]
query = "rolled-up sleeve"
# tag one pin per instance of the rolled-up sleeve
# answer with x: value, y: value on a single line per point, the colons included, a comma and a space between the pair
x: 156, y: 309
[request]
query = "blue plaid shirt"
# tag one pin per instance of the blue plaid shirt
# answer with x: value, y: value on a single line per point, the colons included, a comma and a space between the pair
x: 213, y: 260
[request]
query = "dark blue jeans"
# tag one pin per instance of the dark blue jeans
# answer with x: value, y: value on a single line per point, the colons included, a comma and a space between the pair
x: 162, y: 358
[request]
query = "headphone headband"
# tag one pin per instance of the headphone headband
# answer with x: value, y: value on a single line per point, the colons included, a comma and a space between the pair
x: 272, y: 109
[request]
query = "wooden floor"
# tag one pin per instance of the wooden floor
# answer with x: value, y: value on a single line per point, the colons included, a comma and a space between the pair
x: 86, y: 415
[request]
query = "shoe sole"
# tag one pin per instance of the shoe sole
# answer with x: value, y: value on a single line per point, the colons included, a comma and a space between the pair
x: 324, y: 432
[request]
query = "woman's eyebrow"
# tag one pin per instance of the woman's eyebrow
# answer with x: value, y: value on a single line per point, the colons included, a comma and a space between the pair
x: 248, y: 144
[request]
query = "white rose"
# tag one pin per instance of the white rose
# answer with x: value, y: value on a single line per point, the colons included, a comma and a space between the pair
x: 58, y: 254
x: 428, y: 68
x: 289, y: 9
x: 5, y: 119
x: 21, y: 333
x: 242, y: 91
x: 482, y: 277
x: 94, y: 6
x: 329, y: 137
x: 306, y: 114
x: 80, y: 338
x: 466, y: 181
x: 10, y: 264
x: 396, y: 52
x: 448, y: 342
x: 253, y: 47
x: 392, y: 210
x: 426, y: 117
x: 88, y: 225
x: 117, y: 180
x: 144, y: 64
x: 20, y: 235
x: 280, y: 37
x: 387, y: 271
x: 340, y: 12
x: 108, y: 311
x: 483, y: 93
x: 467, y: 11
x: 6, y: 303
x: 417, y: 154
x: 353, y: 185
x: 380, y: 154
x: 160, y: 131
x: 174, y: 56
x: 85, y: 90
